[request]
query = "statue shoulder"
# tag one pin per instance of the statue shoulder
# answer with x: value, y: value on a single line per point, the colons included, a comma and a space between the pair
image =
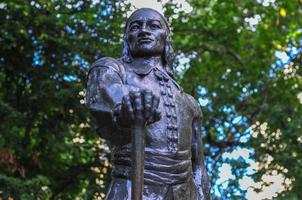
x: 194, y: 105
x: 111, y: 63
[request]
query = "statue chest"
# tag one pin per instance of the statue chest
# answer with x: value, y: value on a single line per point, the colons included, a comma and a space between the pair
x: 174, y: 131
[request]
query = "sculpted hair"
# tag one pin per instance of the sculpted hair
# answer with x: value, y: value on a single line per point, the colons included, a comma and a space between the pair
x: 168, y: 54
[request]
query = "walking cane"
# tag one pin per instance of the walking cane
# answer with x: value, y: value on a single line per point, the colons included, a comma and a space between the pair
x: 138, y: 133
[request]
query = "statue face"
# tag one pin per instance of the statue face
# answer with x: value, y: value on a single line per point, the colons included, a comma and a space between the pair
x: 146, y: 34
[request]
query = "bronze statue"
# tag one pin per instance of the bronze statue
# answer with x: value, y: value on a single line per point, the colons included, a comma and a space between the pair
x: 139, y: 106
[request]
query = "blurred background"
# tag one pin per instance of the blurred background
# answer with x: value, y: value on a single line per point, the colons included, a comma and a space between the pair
x: 240, y: 59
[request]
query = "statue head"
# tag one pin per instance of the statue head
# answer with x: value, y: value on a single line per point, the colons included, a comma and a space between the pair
x: 147, y: 34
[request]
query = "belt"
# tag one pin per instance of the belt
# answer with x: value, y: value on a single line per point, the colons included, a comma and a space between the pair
x: 160, y: 167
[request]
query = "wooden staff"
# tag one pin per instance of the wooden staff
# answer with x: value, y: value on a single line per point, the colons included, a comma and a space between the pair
x: 138, y: 133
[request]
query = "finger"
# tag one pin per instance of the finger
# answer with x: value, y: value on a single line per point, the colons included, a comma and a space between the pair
x: 148, y: 103
x: 154, y: 107
x: 157, y: 115
x: 155, y: 102
x: 127, y: 107
x: 137, y: 104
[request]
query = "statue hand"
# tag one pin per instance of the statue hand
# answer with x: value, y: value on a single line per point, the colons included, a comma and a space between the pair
x: 151, y: 104
x: 139, y: 106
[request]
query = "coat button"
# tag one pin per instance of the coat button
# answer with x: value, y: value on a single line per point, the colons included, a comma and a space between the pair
x: 168, y: 114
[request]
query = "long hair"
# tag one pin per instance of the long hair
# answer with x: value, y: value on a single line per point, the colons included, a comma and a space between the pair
x: 168, y: 53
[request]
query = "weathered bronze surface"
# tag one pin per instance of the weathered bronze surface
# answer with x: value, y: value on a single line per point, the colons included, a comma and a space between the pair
x: 135, y: 100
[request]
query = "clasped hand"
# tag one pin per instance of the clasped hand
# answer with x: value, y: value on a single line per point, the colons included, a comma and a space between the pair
x: 138, y: 107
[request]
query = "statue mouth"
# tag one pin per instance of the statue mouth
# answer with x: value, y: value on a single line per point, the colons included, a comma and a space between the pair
x: 145, y: 40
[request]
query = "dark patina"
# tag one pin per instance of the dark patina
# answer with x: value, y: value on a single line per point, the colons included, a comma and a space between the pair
x: 152, y: 125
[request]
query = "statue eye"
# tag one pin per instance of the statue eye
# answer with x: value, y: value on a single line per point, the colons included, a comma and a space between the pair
x: 134, y: 27
x: 154, y: 26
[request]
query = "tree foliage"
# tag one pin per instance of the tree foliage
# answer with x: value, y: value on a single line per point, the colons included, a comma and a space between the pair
x: 49, y: 148
x: 250, y: 91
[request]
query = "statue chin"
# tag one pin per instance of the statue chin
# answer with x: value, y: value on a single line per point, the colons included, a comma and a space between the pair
x: 146, y: 51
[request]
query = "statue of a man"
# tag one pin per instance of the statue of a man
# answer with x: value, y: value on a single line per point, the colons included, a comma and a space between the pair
x: 140, y: 86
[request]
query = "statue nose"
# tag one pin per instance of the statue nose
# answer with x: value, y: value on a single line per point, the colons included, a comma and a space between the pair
x: 144, y: 30
x: 144, y: 27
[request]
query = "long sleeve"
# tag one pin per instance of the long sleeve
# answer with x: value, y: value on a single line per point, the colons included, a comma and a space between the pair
x: 200, y: 175
x: 105, y: 90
